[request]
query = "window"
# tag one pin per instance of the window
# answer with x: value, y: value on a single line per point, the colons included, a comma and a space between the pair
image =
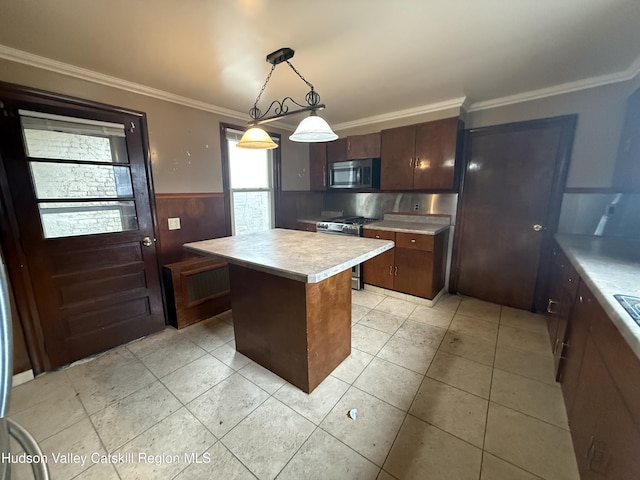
x: 80, y: 173
x: 251, y: 186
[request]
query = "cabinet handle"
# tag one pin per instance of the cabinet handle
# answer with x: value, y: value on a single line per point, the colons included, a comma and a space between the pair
x: 413, y: 240
x: 390, y: 269
x: 549, y: 304
x: 377, y: 236
x: 395, y: 273
x: 411, y: 161
x: 324, y: 175
x: 555, y: 345
x: 417, y: 163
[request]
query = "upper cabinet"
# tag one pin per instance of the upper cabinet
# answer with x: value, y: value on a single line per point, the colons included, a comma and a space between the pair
x: 627, y: 171
x: 354, y: 147
x: 318, y: 166
x: 422, y: 156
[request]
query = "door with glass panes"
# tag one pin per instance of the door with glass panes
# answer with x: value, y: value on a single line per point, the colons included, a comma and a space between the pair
x: 80, y: 188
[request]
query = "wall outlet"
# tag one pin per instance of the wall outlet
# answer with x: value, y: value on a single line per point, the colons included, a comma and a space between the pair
x: 416, y: 207
x: 174, y: 223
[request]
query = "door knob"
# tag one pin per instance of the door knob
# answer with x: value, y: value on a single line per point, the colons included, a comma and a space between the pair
x: 537, y: 227
x: 147, y: 242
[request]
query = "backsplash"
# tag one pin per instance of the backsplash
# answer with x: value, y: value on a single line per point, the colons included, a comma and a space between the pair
x: 607, y: 214
x: 375, y: 205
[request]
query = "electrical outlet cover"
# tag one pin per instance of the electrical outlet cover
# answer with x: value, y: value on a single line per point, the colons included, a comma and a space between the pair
x: 174, y: 223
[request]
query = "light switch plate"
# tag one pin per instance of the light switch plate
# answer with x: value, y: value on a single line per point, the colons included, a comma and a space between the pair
x: 174, y: 223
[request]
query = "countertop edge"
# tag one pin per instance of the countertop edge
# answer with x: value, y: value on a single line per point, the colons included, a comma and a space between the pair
x: 619, y: 317
x: 428, y: 228
x: 310, y: 278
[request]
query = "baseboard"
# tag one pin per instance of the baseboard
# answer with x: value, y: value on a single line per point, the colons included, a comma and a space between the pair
x: 404, y: 296
x: 23, y: 377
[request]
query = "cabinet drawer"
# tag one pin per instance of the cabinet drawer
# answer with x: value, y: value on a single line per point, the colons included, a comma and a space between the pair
x: 415, y: 241
x: 381, y: 234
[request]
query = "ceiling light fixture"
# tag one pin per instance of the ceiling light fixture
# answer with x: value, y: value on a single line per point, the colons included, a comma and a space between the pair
x: 311, y: 129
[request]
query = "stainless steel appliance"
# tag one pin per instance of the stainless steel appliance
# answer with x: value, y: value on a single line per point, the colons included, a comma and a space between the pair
x: 355, y: 174
x: 9, y: 428
x: 347, y: 226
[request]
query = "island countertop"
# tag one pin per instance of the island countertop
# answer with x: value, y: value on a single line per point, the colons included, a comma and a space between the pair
x: 608, y: 265
x: 304, y: 256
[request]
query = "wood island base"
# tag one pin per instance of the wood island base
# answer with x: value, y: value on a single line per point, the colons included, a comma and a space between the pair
x: 299, y: 331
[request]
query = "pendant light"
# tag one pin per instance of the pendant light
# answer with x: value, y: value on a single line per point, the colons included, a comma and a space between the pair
x: 311, y: 129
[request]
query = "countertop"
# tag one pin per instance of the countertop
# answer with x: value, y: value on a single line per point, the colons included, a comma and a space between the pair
x: 407, y: 227
x: 408, y: 223
x: 402, y: 222
x: 304, y: 256
x: 608, y: 265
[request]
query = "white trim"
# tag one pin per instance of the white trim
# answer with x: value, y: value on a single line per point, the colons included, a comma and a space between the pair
x: 22, y: 377
x: 629, y: 73
x: 409, y: 112
x: 44, y: 63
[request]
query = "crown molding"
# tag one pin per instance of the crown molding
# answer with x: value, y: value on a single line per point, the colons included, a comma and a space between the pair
x: 409, y: 112
x: 629, y: 73
x: 26, y: 58
x: 44, y: 63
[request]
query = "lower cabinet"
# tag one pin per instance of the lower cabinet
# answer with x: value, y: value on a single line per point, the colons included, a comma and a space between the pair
x: 415, y: 266
x: 306, y: 226
x: 598, y: 380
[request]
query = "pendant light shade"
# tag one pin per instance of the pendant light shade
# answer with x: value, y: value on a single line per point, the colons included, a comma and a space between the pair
x: 313, y: 129
x: 257, y: 138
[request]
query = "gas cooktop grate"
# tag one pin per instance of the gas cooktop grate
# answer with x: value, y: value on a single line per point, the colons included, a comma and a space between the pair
x: 631, y: 305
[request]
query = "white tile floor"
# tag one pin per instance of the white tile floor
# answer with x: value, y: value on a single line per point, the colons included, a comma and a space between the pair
x: 463, y: 390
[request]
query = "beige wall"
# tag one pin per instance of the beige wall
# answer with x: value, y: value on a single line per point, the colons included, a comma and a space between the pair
x: 600, y: 116
x: 184, y: 142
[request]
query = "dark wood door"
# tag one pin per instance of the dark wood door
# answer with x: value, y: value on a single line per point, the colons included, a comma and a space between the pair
x: 318, y: 166
x: 510, y: 204
x: 627, y: 171
x: 436, y: 155
x: 79, y: 180
x: 397, y: 152
x: 363, y: 146
x: 379, y: 270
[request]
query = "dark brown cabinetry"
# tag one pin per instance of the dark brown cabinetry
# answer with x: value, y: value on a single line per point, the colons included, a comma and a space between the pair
x: 420, y: 157
x: 306, y: 226
x: 600, y: 388
x: 627, y: 170
x: 337, y: 150
x: 318, y: 166
x: 354, y: 147
x: 415, y: 266
x: 562, y: 293
x: 605, y: 435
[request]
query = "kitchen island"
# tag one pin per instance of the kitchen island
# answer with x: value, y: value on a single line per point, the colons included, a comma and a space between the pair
x: 291, y: 298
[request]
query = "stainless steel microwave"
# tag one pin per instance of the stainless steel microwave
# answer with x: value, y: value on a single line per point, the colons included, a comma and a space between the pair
x: 363, y: 173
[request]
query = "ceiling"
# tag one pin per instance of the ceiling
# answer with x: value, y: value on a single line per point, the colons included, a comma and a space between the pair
x: 366, y: 58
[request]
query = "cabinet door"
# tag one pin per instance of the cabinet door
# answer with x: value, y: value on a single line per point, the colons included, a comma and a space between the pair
x: 584, y: 310
x: 306, y: 226
x: 337, y: 150
x: 435, y: 155
x: 616, y: 440
x: 318, y: 166
x: 363, y: 146
x: 397, y: 155
x: 413, y: 273
x: 589, y: 406
x: 379, y: 270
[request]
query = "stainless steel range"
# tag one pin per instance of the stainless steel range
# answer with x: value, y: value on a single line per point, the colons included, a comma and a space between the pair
x: 347, y: 226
